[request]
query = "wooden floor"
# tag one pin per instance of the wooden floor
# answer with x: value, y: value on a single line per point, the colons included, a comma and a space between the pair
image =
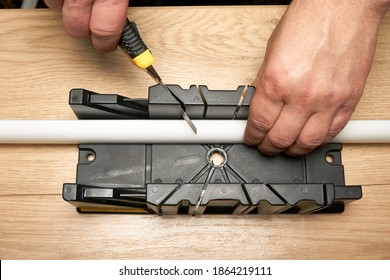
x: 221, y: 47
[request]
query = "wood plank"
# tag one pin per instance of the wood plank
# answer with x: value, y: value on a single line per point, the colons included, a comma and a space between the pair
x: 40, y: 64
x: 225, y: 52
x: 366, y: 164
x: 36, y: 169
x: 36, y: 227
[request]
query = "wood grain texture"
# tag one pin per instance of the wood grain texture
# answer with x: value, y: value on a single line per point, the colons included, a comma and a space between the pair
x: 46, y: 227
x: 221, y: 47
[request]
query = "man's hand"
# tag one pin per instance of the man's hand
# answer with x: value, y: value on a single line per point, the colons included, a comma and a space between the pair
x: 102, y: 19
x: 313, y: 74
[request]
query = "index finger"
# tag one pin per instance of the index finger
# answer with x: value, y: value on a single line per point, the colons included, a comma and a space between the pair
x: 263, y: 113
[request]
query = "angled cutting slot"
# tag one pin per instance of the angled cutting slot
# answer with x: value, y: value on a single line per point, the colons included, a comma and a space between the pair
x: 243, y: 93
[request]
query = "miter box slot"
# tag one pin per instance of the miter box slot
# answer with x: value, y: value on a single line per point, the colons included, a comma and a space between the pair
x: 198, y: 101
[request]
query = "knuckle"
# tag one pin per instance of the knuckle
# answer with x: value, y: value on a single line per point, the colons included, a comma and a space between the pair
x: 312, y: 96
x: 268, y: 151
x: 275, y: 84
x: 342, y: 95
x: 348, y: 107
x: 336, y: 129
x: 333, y: 131
x: 322, y: 95
x: 104, y: 32
x: 339, y: 122
x: 310, y: 143
x: 281, y: 142
x: 261, y: 124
